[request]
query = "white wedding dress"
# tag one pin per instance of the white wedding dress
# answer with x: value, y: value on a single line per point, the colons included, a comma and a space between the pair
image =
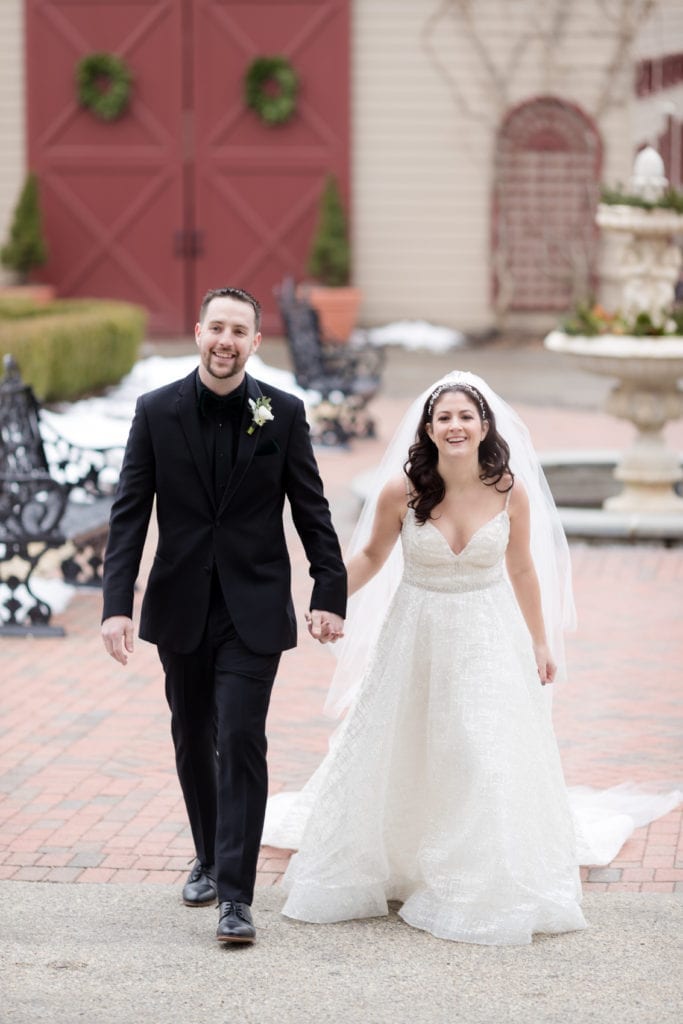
x: 443, y: 786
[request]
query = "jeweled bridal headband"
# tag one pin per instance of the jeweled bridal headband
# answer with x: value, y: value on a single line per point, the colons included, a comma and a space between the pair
x: 455, y: 385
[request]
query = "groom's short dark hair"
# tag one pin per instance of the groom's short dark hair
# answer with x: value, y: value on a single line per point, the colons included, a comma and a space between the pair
x: 232, y: 293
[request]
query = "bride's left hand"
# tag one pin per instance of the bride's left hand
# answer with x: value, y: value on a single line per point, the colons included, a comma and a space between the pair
x: 547, y: 668
x: 325, y: 627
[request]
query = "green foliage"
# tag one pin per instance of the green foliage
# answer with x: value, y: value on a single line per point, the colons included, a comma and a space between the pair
x: 66, y: 349
x: 591, y: 320
x: 25, y: 248
x: 642, y: 327
x: 330, y: 258
x: 671, y: 199
x: 270, y: 88
x: 103, y: 85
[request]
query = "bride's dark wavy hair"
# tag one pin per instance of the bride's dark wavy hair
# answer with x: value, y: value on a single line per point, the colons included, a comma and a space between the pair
x: 420, y: 468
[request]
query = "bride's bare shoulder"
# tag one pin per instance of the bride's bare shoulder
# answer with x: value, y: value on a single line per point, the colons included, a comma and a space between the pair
x: 517, y: 499
x: 395, y: 493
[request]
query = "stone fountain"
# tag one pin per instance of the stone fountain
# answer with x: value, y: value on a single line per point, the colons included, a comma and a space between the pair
x: 641, y: 279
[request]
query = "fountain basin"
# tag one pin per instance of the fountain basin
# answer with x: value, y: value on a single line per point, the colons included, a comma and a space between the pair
x: 646, y: 394
x: 634, y: 220
x: 651, y: 360
x: 582, y: 481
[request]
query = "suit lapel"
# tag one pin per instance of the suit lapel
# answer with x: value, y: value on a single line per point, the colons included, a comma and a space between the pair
x: 188, y: 412
x: 246, y: 444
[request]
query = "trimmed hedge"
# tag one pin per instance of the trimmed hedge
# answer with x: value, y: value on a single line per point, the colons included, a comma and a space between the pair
x: 70, y: 348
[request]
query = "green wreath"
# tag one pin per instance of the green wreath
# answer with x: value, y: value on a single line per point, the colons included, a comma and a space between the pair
x: 104, y: 85
x: 262, y: 74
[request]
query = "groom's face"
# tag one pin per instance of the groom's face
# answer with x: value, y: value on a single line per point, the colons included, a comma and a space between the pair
x: 226, y: 337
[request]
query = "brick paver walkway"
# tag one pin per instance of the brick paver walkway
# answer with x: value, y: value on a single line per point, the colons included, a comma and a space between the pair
x: 87, y: 783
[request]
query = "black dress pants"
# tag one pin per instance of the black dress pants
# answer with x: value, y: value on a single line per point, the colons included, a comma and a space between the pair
x: 219, y: 697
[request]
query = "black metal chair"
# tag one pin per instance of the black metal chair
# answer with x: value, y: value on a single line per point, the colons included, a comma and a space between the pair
x: 38, y: 506
x: 346, y: 377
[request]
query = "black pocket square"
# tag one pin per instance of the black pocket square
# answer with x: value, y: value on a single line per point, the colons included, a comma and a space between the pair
x: 270, y: 447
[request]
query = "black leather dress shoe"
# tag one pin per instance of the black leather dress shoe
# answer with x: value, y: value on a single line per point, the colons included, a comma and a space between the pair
x: 235, y: 923
x: 200, y: 888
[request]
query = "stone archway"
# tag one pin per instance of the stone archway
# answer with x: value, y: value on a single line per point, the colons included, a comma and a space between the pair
x: 546, y: 188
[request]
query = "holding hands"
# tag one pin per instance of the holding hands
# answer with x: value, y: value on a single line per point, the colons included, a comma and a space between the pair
x: 326, y: 627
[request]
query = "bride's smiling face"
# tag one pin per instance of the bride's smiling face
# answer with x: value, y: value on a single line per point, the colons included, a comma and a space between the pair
x: 456, y: 427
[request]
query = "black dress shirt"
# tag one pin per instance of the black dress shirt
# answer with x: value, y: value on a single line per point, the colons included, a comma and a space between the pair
x: 220, y: 417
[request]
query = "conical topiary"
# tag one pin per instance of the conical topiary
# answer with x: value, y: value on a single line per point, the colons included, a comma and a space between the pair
x: 25, y: 247
x: 330, y: 258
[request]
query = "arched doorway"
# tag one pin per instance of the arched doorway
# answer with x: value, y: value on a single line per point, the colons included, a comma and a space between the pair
x: 546, y: 183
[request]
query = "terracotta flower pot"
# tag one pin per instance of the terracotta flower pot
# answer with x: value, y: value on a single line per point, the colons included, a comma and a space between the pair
x: 337, y: 310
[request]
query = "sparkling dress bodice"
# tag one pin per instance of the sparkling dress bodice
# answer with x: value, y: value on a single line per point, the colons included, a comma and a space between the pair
x: 479, y: 565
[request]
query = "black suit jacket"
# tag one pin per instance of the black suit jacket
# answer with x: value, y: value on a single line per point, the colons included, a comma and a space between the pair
x: 243, y: 536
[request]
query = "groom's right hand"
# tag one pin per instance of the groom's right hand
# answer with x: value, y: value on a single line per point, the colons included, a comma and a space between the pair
x: 325, y: 627
x: 117, y: 635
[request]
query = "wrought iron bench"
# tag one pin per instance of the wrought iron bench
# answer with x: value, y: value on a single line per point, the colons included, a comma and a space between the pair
x: 347, y: 377
x: 52, y: 491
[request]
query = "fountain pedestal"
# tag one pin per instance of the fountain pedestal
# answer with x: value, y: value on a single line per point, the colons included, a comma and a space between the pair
x: 648, y: 469
x: 647, y: 394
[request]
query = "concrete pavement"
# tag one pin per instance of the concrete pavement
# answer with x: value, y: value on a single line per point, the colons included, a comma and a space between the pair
x: 90, y: 799
x: 114, y: 954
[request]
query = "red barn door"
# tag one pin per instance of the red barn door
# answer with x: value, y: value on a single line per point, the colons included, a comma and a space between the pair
x: 112, y: 192
x: 257, y: 187
x: 189, y: 189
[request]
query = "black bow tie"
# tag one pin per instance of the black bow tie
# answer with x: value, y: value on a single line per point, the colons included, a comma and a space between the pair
x: 219, y: 406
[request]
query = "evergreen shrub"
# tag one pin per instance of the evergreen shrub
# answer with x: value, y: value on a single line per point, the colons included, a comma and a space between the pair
x: 73, y: 347
x: 330, y: 258
x: 25, y: 248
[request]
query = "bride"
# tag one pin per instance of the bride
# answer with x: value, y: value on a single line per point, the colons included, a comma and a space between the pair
x: 443, y: 788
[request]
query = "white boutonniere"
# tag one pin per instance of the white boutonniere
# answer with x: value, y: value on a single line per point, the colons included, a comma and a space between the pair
x: 260, y: 413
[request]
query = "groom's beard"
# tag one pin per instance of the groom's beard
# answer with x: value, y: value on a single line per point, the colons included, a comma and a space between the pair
x: 225, y: 370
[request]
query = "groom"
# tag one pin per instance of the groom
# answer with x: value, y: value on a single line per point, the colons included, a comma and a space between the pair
x: 219, y: 452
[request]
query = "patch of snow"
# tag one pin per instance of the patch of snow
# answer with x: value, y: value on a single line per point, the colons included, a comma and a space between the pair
x: 55, y: 592
x: 416, y: 334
